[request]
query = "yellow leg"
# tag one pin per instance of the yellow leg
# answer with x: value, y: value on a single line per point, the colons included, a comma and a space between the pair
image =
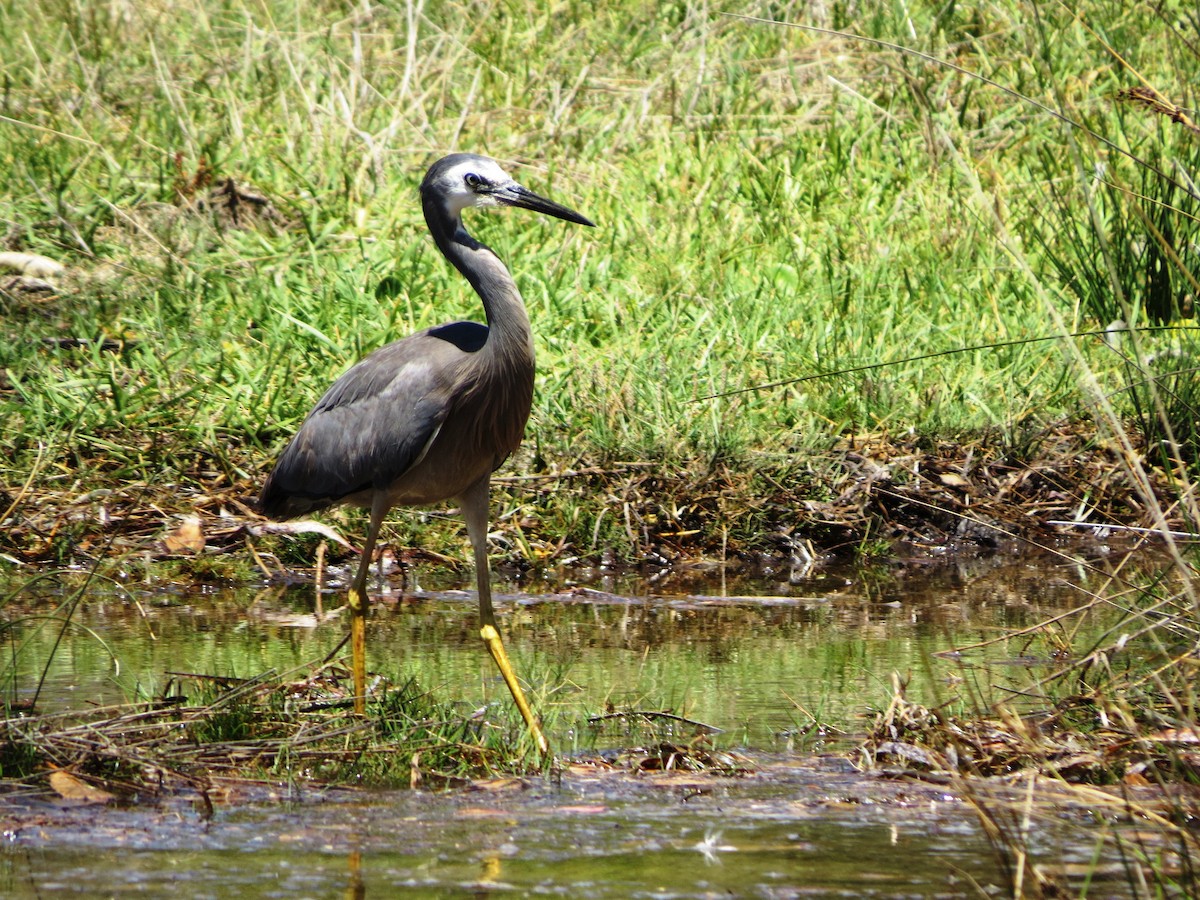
x: 357, y: 601
x: 475, y: 509
x: 495, y: 646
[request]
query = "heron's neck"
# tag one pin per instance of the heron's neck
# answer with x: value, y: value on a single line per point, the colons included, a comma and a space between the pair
x: 507, y: 320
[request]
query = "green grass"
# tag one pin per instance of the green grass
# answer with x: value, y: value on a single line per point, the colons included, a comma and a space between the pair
x: 772, y: 204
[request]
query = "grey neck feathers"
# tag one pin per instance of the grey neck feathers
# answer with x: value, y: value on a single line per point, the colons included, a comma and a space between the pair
x: 502, y: 304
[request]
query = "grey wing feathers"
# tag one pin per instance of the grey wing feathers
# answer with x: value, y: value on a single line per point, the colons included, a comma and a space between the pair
x: 371, y: 426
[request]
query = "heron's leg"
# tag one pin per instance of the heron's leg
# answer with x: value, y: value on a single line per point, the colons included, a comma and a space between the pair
x: 475, y: 511
x: 358, y: 601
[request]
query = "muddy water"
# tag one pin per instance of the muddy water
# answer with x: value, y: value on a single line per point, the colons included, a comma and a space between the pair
x: 781, y: 667
x: 797, y: 829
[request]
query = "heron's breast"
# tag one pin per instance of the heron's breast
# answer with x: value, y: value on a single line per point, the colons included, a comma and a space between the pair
x: 485, y: 426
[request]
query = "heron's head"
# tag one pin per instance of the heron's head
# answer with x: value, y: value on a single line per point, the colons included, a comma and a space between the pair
x: 461, y: 180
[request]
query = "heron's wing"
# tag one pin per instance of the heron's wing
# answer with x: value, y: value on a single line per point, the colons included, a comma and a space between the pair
x: 374, y: 423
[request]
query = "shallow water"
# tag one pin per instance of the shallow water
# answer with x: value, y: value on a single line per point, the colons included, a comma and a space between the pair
x: 759, y: 660
x: 793, y: 830
x: 762, y: 660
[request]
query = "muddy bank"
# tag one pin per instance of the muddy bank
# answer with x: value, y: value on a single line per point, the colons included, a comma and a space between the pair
x: 869, y: 497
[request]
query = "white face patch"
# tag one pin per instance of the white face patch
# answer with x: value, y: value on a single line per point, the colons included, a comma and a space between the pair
x: 458, y: 194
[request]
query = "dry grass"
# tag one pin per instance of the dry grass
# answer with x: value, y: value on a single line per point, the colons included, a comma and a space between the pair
x: 871, y: 495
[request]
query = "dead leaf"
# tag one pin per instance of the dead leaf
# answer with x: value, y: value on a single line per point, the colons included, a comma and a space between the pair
x: 187, y: 538
x: 498, y: 784
x: 954, y: 480
x: 31, y: 264
x: 1174, y: 736
x: 69, y: 787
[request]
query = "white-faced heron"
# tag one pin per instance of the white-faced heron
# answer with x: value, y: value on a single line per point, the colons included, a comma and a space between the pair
x: 428, y: 418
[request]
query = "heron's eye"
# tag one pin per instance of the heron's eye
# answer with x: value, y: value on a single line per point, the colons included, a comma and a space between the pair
x: 474, y: 182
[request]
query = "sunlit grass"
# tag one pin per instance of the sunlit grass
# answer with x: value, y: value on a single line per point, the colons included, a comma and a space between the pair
x: 772, y: 205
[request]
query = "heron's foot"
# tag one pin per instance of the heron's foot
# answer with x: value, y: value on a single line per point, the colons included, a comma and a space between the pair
x: 495, y: 646
x: 358, y: 600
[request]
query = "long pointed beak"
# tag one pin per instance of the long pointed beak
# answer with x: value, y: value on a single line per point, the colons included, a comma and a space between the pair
x: 516, y: 195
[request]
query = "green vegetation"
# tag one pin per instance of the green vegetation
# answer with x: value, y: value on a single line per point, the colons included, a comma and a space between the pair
x: 232, y: 191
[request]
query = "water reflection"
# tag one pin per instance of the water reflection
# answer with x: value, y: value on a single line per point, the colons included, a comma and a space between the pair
x: 762, y: 660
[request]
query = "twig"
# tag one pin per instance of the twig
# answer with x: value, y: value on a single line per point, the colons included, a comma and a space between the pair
x: 651, y: 714
x: 1187, y: 535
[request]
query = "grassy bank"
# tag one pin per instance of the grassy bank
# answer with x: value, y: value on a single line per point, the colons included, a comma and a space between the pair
x: 231, y: 189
